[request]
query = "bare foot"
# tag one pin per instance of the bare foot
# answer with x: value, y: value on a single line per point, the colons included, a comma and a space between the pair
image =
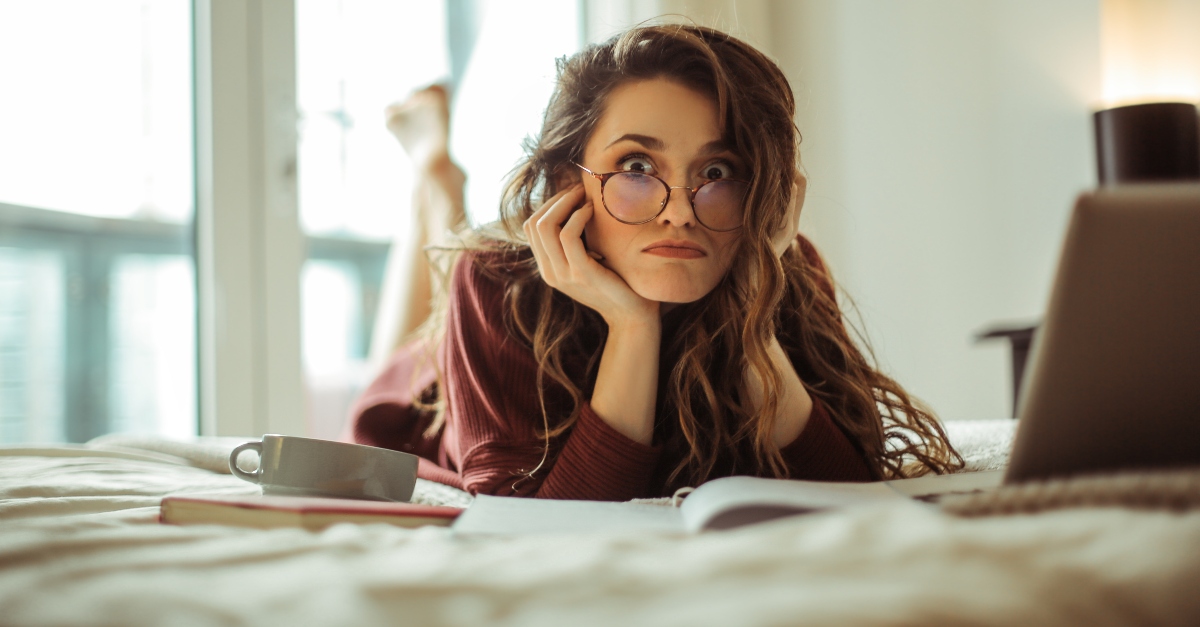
x: 422, y: 124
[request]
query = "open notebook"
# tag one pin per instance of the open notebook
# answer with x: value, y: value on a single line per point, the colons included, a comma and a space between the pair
x: 720, y: 504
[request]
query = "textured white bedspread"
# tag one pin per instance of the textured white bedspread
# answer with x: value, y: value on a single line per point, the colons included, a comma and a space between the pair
x: 80, y: 545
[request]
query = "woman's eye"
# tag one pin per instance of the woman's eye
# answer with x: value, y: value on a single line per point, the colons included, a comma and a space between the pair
x: 717, y: 171
x: 636, y: 164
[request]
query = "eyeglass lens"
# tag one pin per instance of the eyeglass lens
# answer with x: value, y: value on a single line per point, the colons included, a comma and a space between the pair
x: 635, y: 197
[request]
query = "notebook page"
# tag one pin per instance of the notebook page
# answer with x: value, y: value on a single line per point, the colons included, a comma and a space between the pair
x: 507, y: 515
x: 735, y: 501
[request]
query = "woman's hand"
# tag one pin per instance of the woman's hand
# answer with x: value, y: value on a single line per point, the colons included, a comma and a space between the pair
x: 627, y: 380
x: 785, y: 236
x: 555, y: 236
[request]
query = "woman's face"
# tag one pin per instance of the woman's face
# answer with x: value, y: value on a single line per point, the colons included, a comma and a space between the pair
x: 663, y: 128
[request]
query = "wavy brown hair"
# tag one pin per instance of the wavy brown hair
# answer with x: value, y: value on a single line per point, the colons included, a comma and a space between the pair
x: 727, y: 332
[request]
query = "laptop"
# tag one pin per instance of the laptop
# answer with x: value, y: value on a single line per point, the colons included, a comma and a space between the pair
x: 1113, y: 381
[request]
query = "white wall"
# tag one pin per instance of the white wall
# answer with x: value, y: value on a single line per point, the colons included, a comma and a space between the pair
x: 945, y: 142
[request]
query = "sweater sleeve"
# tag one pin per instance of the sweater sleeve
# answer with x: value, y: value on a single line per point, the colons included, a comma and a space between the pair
x: 822, y: 452
x: 495, y: 414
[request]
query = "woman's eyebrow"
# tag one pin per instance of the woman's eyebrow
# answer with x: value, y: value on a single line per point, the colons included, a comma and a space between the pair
x: 717, y: 145
x: 653, y: 143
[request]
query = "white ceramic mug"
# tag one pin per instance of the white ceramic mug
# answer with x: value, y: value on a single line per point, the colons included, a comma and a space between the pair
x: 294, y: 466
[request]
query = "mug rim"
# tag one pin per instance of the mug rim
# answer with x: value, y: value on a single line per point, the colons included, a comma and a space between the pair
x: 323, y: 441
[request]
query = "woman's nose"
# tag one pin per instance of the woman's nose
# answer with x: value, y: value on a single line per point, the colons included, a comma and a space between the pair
x: 679, y: 210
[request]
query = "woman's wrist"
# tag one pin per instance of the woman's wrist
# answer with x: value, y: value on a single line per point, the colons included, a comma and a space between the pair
x: 635, y: 323
x: 627, y: 383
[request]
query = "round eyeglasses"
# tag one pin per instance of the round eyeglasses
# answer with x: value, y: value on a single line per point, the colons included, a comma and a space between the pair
x: 639, y: 197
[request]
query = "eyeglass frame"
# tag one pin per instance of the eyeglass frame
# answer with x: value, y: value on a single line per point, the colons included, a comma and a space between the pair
x: 692, y: 191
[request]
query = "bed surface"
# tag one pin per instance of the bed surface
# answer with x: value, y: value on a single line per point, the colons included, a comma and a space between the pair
x: 80, y: 544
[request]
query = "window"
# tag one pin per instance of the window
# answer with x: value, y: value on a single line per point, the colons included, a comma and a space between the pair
x: 97, y: 305
x: 104, y: 133
x: 354, y: 58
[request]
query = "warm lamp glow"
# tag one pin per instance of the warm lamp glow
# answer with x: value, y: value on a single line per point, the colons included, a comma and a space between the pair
x: 1150, y: 51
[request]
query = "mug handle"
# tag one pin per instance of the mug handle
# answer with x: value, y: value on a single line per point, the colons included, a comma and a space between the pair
x: 252, y: 477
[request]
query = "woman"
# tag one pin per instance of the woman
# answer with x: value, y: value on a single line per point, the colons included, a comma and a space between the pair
x: 649, y: 317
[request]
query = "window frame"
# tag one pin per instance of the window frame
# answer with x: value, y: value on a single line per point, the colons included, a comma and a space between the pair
x: 249, y: 247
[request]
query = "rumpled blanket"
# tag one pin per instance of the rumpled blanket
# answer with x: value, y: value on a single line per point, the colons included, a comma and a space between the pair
x: 80, y: 545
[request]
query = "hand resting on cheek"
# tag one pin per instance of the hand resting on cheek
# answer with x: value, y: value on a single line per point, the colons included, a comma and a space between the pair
x: 554, y: 233
x: 786, y: 236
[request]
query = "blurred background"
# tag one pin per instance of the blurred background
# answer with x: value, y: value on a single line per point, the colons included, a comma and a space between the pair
x: 197, y: 199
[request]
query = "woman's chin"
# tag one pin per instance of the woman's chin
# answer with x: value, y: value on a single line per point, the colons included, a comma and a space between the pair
x: 674, y: 283
x: 675, y: 294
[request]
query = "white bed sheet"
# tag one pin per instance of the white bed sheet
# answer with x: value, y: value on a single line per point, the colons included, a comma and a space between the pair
x: 80, y: 545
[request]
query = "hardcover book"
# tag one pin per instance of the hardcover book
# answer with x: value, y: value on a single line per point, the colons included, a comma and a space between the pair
x: 312, y: 513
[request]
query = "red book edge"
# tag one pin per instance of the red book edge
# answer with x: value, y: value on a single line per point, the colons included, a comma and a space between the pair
x: 313, y: 505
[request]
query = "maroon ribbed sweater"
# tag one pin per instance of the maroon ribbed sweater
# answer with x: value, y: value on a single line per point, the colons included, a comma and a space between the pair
x: 489, y: 441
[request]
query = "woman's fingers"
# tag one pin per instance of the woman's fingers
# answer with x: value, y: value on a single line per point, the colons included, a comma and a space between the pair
x: 555, y: 233
x: 586, y: 280
x: 801, y: 191
x: 552, y: 220
x: 787, y: 234
x: 535, y: 245
x: 541, y: 211
x: 571, y: 238
x: 547, y: 228
x: 542, y: 230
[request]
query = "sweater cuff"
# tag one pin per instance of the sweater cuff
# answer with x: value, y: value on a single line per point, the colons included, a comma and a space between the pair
x: 598, y: 463
x: 822, y: 452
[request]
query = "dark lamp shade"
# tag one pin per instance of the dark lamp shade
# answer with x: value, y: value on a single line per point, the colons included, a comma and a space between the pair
x: 1148, y: 142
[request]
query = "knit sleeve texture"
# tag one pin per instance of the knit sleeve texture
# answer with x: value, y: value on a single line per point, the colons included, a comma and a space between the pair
x: 823, y: 453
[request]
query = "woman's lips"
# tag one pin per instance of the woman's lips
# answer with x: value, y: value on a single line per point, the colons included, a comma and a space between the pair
x: 675, y: 249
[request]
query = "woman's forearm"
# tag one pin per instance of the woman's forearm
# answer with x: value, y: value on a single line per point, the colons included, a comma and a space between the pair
x: 627, y: 382
x: 794, y: 405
